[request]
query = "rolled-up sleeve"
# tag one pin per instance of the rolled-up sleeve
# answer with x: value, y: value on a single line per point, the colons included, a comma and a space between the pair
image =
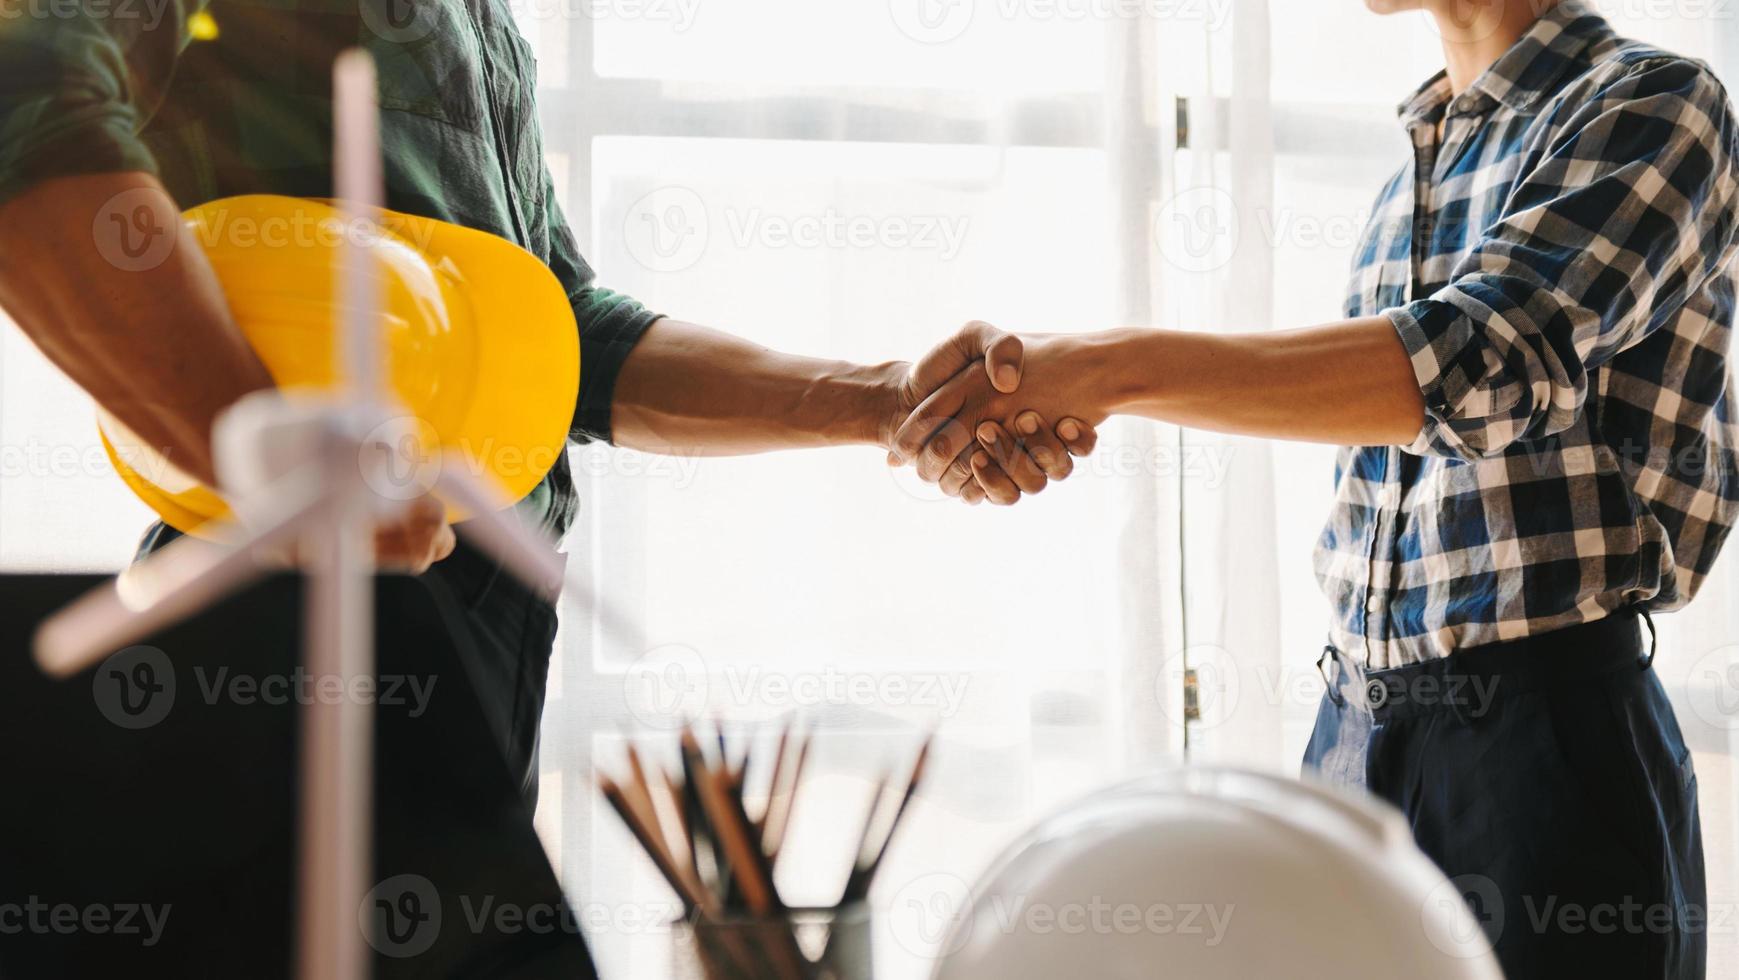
x: 610, y: 325
x: 77, y: 82
x: 1620, y: 219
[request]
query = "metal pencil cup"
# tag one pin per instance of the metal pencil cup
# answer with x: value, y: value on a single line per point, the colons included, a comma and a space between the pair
x: 797, y: 944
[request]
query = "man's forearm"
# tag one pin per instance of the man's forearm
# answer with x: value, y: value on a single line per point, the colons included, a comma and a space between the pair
x: 155, y: 346
x: 691, y: 390
x: 1347, y: 383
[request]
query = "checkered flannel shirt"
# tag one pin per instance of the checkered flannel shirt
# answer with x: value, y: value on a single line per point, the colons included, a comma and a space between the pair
x: 245, y: 107
x: 1557, y: 261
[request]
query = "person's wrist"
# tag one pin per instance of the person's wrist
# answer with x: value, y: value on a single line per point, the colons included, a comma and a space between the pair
x: 876, y: 403
x: 1089, y: 366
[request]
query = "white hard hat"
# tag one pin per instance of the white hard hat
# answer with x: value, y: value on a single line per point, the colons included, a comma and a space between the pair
x: 1217, y: 873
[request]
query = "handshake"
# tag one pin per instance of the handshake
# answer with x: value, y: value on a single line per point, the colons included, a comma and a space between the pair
x: 989, y: 415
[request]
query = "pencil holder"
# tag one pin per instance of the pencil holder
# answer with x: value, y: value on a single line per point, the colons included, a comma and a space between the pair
x: 797, y: 944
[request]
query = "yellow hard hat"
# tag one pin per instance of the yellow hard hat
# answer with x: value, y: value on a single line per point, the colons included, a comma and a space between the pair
x: 481, y: 346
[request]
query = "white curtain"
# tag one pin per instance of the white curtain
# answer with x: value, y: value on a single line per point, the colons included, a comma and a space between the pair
x: 1201, y: 166
x: 854, y: 179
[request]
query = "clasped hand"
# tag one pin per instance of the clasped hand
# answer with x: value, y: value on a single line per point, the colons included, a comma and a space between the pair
x: 987, y: 415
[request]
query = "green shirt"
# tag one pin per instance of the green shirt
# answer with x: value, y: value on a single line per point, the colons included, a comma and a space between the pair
x: 93, y: 86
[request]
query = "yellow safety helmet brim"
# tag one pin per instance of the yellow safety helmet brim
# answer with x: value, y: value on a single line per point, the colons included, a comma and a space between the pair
x: 185, y: 510
x: 527, y: 373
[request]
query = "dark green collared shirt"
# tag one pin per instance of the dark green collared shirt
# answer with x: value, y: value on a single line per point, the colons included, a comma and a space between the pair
x: 93, y: 86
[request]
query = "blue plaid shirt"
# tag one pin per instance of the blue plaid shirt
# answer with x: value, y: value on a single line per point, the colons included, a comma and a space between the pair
x: 1556, y: 259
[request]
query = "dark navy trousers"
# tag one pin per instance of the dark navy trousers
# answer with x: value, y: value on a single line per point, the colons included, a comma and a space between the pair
x: 510, y: 633
x: 1548, y: 778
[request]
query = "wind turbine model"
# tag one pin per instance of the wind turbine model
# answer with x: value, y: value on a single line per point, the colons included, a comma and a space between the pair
x: 303, y: 475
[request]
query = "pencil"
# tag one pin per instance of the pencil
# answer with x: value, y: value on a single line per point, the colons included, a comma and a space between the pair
x: 863, y: 876
x: 613, y: 793
x: 775, y: 834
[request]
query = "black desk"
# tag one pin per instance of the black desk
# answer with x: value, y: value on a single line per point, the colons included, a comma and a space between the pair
x: 163, y: 783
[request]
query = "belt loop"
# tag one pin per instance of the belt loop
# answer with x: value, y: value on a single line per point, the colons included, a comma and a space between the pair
x: 1333, y: 688
x: 1653, y: 637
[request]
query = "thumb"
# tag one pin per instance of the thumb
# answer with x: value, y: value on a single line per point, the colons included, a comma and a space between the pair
x: 971, y: 342
x: 1003, y: 361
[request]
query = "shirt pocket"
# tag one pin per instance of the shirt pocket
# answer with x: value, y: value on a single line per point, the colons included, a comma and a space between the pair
x: 428, y: 60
